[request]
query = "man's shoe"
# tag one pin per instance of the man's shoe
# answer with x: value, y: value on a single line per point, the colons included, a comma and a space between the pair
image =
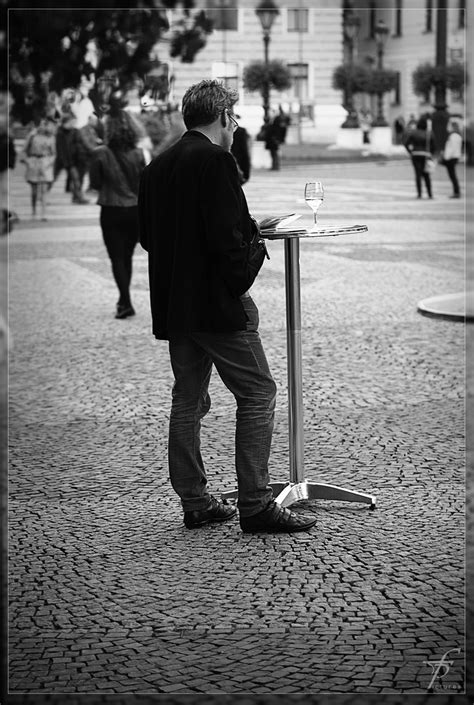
x: 216, y: 511
x: 276, y: 518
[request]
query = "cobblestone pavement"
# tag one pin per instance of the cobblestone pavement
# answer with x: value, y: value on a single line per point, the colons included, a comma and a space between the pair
x: 110, y: 594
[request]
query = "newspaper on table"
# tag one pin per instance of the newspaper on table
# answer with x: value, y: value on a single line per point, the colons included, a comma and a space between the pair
x: 279, y: 226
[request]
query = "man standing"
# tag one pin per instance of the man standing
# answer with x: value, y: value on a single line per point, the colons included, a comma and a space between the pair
x: 204, y: 253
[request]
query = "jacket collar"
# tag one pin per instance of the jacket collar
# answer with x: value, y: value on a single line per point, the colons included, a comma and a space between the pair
x: 195, y: 134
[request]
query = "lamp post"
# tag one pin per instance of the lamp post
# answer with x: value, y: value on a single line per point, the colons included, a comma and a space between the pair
x: 351, y: 30
x: 440, y: 116
x: 266, y: 12
x: 381, y: 34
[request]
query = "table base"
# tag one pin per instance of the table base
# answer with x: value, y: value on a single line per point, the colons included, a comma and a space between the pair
x: 287, y: 493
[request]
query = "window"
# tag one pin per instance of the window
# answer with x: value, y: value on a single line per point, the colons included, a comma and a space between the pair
x: 223, y: 15
x: 300, y: 84
x: 227, y: 72
x: 429, y: 16
x: 297, y: 20
x: 398, y: 18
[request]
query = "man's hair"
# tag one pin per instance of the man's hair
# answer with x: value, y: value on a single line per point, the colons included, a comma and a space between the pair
x: 205, y: 101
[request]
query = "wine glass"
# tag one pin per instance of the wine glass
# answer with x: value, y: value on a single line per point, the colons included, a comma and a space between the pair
x: 314, y: 195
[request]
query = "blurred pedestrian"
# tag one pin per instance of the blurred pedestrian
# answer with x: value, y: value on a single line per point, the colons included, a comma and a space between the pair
x: 275, y: 134
x: 365, y: 122
x: 62, y: 160
x: 7, y: 161
x: 204, y: 253
x: 73, y: 155
x: 421, y: 147
x: 241, y: 150
x: 451, y: 154
x: 411, y: 124
x: 39, y: 155
x: 115, y: 172
x: 399, y: 129
x: 80, y: 158
x: 91, y: 136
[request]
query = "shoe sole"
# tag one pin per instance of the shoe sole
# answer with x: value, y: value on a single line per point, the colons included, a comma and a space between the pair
x: 210, y: 521
x: 277, y: 529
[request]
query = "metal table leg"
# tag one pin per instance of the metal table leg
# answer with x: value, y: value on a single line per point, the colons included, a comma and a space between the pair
x: 286, y: 493
x: 298, y: 488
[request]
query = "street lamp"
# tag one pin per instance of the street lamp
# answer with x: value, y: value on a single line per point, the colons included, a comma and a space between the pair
x: 266, y: 12
x: 351, y: 30
x: 381, y: 34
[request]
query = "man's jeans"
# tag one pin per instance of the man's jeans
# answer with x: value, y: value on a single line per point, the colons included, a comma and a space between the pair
x: 241, y: 363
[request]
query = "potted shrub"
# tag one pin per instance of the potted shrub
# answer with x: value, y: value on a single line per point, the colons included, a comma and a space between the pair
x: 427, y: 77
x: 259, y: 76
x: 350, y: 79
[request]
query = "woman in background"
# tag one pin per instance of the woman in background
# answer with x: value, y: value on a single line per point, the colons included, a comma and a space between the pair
x: 115, y: 173
x: 39, y: 155
x: 452, y: 153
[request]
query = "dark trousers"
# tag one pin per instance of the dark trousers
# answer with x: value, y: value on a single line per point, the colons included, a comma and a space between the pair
x: 120, y: 232
x: 420, y: 175
x: 77, y: 173
x: 450, y: 165
x: 241, y: 363
x: 74, y: 178
x: 275, y: 155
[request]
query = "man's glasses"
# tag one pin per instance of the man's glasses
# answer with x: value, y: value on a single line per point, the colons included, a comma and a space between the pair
x: 234, y: 122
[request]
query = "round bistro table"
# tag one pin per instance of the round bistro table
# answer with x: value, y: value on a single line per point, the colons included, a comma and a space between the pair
x: 298, y: 488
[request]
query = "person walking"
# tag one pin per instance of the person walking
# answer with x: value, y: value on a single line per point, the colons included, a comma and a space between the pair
x: 275, y: 135
x: 115, y: 172
x: 39, y: 155
x: 204, y: 253
x: 451, y: 154
x: 421, y: 147
x: 74, y: 156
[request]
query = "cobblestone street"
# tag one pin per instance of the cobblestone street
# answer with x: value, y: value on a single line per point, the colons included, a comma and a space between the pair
x: 110, y: 594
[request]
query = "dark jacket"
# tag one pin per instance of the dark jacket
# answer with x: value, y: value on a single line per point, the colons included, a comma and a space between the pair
x: 116, y: 176
x: 420, y: 143
x: 195, y: 225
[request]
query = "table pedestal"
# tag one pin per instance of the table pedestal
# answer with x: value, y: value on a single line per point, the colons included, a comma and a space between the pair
x: 286, y: 493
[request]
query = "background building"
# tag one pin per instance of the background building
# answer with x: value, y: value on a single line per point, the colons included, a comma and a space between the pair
x: 411, y: 41
x: 309, y: 38
x: 305, y: 37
